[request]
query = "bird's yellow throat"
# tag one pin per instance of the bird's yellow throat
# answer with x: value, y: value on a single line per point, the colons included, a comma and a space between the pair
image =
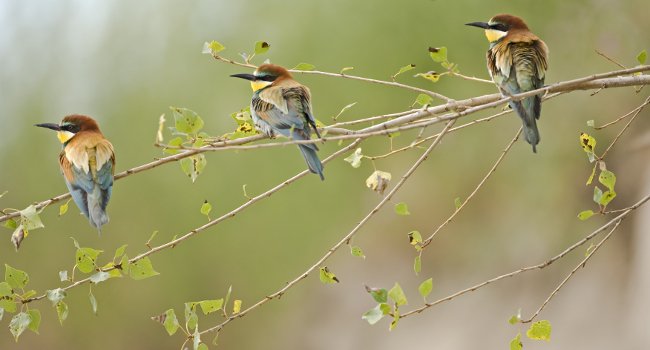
x: 494, y: 35
x: 64, y: 136
x: 259, y: 84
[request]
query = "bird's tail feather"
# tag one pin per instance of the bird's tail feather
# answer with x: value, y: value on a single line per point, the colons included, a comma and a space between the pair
x: 529, y: 110
x: 96, y: 208
x: 314, y: 164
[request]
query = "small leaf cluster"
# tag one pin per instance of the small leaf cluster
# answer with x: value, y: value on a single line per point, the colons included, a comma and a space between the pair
x: 540, y: 330
x: 12, y: 293
x: 29, y: 220
x: 605, y: 177
x: 190, y: 328
x: 390, y: 301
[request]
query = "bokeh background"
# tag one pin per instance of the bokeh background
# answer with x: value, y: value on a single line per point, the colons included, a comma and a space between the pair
x: 126, y: 62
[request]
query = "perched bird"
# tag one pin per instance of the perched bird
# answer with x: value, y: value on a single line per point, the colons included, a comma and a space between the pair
x: 87, y: 163
x: 281, y: 105
x: 517, y: 63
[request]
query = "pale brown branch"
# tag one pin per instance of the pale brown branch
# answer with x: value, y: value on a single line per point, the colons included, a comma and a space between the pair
x: 636, y: 110
x: 625, y: 128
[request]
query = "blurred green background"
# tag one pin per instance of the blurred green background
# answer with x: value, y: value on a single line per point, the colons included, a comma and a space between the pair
x: 126, y: 62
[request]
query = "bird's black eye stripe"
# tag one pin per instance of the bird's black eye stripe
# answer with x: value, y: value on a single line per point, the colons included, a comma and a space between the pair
x: 70, y: 127
x: 500, y: 27
x: 266, y: 78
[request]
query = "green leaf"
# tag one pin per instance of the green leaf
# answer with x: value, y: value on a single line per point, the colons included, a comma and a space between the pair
x: 415, y: 237
x: 30, y: 219
x: 28, y: 294
x: 344, y: 109
x: 191, y: 318
x: 63, y: 208
x: 397, y: 295
x: 202, y: 346
x: 423, y: 100
x: 373, y: 315
x: 212, y: 47
x: 93, y: 302
x: 120, y: 251
x: 261, y: 47
x: 431, y: 76
x: 35, y: 317
x: 393, y: 323
x: 402, y: 209
x: 56, y: 295
x: 304, y: 66
x: 100, y: 276
x: 515, y: 318
x: 85, y: 258
x: 591, y: 177
x: 379, y: 294
x: 344, y: 69
x: 210, y: 306
x: 193, y: 166
x: 607, y: 197
x: 175, y: 142
x: 62, y: 311
x: 642, y: 56
x: 170, y: 322
x: 19, y: 324
x: 206, y: 208
x: 11, y: 224
x: 402, y: 70
x: 327, y: 277
x: 425, y: 288
x: 515, y: 343
x: 356, y: 251
x: 7, y: 298
x: 236, y: 306
x: 598, y: 194
x: 227, y: 297
x: 438, y: 54
x: 355, y: 158
x: 186, y: 121
x: 540, y: 330
x: 16, y: 278
x: 585, y: 214
x: 142, y: 269
x: 607, y: 178
x: 458, y: 203
x: 587, y: 142
x: 417, y: 264
x: 378, y: 181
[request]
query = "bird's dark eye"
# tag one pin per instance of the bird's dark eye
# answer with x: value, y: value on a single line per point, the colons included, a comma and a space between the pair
x: 500, y: 27
x: 267, y: 78
x: 70, y: 127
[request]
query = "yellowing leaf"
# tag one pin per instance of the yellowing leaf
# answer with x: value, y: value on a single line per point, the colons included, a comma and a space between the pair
x: 438, y: 54
x: 355, y: 158
x: 642, y: 56
x: 425, y: 288
x: 261, y: 47
x: 540, y: 330
x: 402, y: 70
x: 212, y: 47
x: 585, y: 214
x: 431, y: 76
x: 236, y: 306
x: 327, y: 277
x: 304, y: 66
x: 378, y: 181
x: 402, y: 209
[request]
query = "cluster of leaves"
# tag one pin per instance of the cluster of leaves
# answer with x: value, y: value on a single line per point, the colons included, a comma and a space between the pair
x: 389, y: 302
x: 187, y: 131
x: 606, y: 178
x: 539, y: 330
x: 169, y: 320
x: 13, y: 290
x: 29, y: 220
x: 377, y: 181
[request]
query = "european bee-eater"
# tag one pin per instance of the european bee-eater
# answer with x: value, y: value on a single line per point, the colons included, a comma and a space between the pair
x: 281, y: 105
x: 87, y: 163
x: 517, y: 61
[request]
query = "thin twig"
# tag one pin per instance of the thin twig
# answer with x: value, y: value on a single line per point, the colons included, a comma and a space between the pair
x: 426, y: 242
x: 624, y: 128
x: 636, y: 110
x: 342, y: 242
x: 581, y: 264
x: 353, y: 77
x: 610, y: 59
x: 534, y: 267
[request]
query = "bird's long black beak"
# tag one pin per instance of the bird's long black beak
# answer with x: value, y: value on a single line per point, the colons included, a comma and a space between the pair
x: 479, y: 24
x: 52, y: 126
x: 250, y: 77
